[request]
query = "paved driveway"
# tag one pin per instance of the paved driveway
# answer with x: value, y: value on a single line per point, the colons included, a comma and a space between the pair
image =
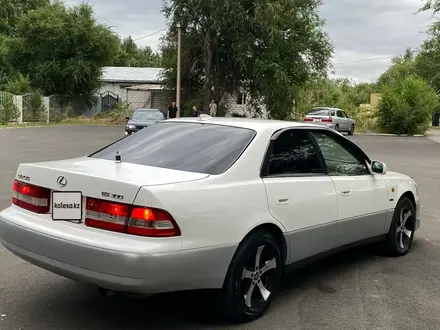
x: 353, y: 290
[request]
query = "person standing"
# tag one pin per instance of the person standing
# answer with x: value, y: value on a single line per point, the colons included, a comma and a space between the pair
x: 212, y: 109
x: 172, y: 110
x: 195, y: 112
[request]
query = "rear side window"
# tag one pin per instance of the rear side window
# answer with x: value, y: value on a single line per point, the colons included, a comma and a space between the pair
x: 193, y: 147
x: 294, y: 153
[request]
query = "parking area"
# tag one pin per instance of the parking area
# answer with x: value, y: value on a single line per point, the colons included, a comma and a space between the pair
x: 353, y: 290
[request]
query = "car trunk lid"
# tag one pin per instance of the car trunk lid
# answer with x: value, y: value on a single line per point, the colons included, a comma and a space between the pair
x: 100, y: 178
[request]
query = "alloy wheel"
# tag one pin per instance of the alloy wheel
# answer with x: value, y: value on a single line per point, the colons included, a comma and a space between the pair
x: 404, y: 230
x: 259, y: 277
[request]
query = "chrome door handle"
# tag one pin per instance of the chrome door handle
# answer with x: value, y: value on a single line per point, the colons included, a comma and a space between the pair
x: 346, y: 192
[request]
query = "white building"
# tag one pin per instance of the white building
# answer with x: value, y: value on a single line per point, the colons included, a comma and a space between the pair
x: 142, y: 88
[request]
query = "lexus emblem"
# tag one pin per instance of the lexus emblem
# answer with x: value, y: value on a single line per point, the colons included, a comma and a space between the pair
x: 62, y: 181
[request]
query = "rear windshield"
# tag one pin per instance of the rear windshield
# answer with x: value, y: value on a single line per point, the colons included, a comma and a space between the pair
x: 193, y: 147
x: 319, y: 112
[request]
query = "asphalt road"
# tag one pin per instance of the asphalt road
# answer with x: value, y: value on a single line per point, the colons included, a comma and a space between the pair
x: 353, y: 290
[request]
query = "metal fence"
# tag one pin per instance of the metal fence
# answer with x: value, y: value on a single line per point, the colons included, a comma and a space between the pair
x: 32, y: 107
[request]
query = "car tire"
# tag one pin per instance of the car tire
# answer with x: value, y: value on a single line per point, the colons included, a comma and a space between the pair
x: 256, y: 268
x: 351, y: 131
x: 337, y: 128
x: 401, y: 233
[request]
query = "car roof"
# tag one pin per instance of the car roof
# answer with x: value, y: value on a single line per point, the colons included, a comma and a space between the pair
x: 249, y: 123
x: 324, y: 108
x: 146, y: 109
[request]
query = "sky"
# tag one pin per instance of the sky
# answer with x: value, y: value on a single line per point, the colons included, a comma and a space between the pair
x: 365, y: 33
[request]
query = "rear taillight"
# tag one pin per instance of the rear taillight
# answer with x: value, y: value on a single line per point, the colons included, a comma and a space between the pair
x: 327, y: 120
x: 308, y: 119
x: 152, y: 222
x: 30, y: 197
x: 130, y: 219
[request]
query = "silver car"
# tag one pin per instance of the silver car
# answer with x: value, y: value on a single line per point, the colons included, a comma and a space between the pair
x: 334, y: 118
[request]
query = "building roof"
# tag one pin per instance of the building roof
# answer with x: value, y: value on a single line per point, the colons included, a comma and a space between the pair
x: 147, y: 87
x: 131, y: 75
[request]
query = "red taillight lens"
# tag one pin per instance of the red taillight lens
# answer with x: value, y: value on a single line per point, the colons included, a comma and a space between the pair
x: 152, y: 222
x: 30, y: 197
x: 327, y: 120
x: 128, y: 219
x: 308, y: 119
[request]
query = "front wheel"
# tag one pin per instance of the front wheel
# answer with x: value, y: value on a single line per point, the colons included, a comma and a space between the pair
x: 253, y: 278
x: 401, y: 233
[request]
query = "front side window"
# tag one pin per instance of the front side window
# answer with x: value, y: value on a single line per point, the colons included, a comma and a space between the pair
x: 192, y: 147
x: 340, y: 160
x: 293, y: 153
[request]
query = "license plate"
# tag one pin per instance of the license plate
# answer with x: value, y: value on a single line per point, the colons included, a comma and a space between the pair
x: 67, y: 205
x: 316, y: 119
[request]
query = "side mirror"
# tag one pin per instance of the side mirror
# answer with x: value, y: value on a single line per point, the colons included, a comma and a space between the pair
x: 127, y: 117
x: 379, y: 167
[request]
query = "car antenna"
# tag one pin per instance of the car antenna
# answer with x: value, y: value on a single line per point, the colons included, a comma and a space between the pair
x: 118, y: 157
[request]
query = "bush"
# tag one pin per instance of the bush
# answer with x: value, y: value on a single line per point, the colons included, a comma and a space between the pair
x: 116, y: 116
x: 33, y: 108
x: 365, y: 119
x: 407, y: 106
x: 8, y: 113
x: 18, y: 85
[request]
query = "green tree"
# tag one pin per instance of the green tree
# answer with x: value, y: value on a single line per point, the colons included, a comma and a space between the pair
x: 129, y: 54
x: 402, y: 67
x: 270, y: 47
x: 62, y: 49
x: 12, y: 10
x: 407, y: 106
x: 428, y: 60
x: 431, y: 5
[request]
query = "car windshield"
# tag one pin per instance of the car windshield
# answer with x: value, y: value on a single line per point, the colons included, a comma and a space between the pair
x: 193, y: 147
x: 141, y: 115
x: 319, y: 112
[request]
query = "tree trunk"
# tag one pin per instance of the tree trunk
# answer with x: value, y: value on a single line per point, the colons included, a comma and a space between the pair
x: 208, y: 73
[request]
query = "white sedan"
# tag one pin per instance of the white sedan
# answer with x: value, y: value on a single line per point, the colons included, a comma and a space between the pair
x: 207, y: 203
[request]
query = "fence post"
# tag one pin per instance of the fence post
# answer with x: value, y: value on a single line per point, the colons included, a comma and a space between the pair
x: 18, y: 102
x: 46, y: 105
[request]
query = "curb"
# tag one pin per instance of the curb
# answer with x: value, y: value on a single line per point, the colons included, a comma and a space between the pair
x: 59, y: 125
x: 396, y: 135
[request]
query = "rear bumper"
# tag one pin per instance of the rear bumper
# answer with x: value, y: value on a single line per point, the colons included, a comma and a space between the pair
x: 117, y: 269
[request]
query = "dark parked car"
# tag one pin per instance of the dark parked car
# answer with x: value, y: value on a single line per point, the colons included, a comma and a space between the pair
x: 142, y: 118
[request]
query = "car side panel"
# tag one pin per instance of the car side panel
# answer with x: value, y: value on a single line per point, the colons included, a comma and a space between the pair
x: 213, y: 211
x: 401, y: 184
x: 362, y: 206
x: 307, y: 207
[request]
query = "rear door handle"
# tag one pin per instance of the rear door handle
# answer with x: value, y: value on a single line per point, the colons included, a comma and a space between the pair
x: 346, y: 192
x: 282, y: 200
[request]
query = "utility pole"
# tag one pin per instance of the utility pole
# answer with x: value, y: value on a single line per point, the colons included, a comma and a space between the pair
x: 178, y: 88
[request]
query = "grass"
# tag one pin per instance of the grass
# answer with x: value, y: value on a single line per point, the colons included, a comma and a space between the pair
x: 66, y: 122
x: 109, y: 119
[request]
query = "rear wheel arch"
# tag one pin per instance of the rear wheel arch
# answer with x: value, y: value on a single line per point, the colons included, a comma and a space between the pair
x: 277, y: 233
